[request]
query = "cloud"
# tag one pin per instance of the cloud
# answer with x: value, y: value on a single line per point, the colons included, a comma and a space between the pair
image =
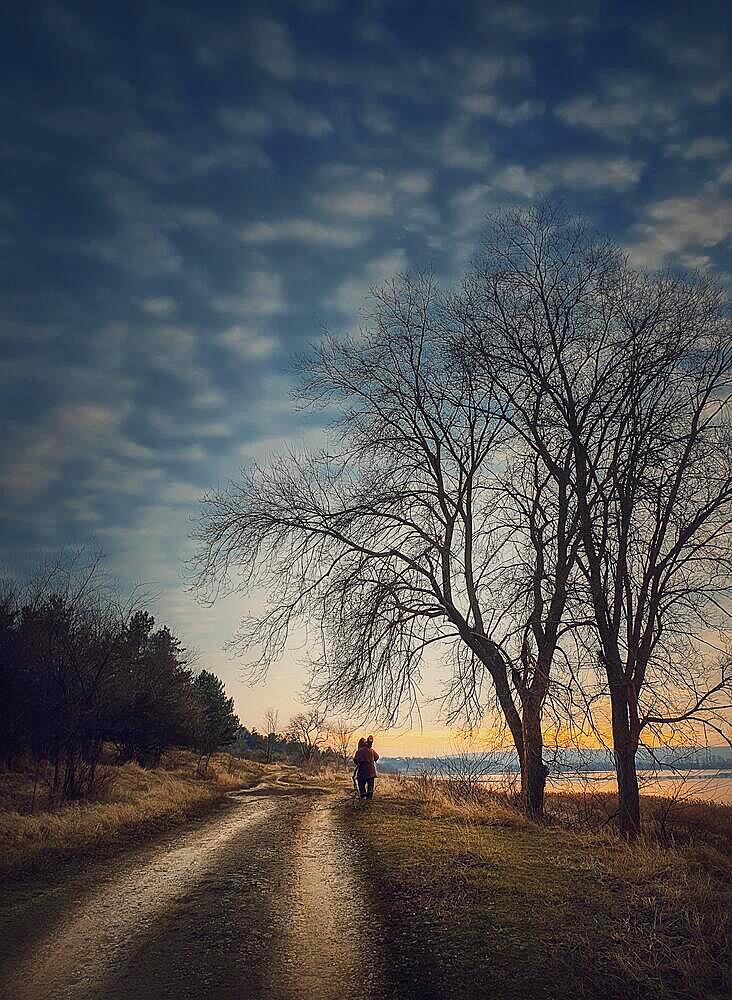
x: 303, y: 230
x: 247, y: 120
x: 578, y: 173
x: 461, y: 150
x: 699, y: 58
x: 626, y: 106
x: 247, y: 344
x: 262, y: 295
x: 271, y: 47
x: 72, y: 428
x: 160, y: 306
x: 371, y: 195
x: 353, y: 192
x: 678, y: 227
x: 142, y: 238
x: 477, y: 69
x: 616, y: 173
x: 646, y: 105
x: 277, y: 110
x: 111, y: 118
x: 265, y: 40
x: 525, y: 19
x: 707, y: 147
x: 502, y: 112
x: 378, y: 120
x: 414, y: 182
x: 350, y: 295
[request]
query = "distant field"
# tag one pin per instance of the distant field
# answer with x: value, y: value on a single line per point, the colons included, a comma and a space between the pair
x: 132, y: 802
x: 475, y: 901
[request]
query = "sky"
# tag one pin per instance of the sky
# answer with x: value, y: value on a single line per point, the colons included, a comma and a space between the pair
x: 192, y: 193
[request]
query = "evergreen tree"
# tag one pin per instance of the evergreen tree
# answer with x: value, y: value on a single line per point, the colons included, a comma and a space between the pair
x: 219, y: 724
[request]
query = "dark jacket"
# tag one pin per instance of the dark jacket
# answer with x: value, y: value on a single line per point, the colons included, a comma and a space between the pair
x: 365, y: 759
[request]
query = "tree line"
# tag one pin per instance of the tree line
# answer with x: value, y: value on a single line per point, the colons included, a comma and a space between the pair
x: 81, y: 671
x: 529, y: 476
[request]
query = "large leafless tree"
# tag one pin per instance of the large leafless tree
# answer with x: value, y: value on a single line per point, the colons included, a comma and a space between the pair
x: 618, y: 383
x: 421, y: 526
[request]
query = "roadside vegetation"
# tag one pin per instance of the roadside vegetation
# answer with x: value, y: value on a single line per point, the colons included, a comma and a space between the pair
x: 477, y: 900
x: 82, y: 669
x: 108, y: 728
x: 130, y: 803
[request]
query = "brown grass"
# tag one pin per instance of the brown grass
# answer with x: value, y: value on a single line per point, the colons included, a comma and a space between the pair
x: 132, y: 802
x: 474, y: 895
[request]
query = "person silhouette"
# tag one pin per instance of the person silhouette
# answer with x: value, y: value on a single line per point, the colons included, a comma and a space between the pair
x: 365, y: 760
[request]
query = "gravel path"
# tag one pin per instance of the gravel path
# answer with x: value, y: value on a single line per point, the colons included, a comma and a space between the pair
x: 259, y: 900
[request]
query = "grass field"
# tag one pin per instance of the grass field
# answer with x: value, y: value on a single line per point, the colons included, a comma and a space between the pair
x: 132, y: 803
x: 477, y: 902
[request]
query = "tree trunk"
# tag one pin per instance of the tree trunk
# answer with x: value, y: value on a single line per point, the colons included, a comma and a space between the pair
x: 624, y: 750
x: 69, y: 790
x: 53, y: 791
x: 36, y: 775
x: 533, y: 769
x: 628, y: 792
x: 532, y: 780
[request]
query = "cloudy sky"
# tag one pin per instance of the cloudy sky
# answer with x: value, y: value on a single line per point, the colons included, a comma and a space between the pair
x: 192, y: 192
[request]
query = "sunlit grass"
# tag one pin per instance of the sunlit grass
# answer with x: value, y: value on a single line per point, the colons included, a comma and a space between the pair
x: 131, y: 801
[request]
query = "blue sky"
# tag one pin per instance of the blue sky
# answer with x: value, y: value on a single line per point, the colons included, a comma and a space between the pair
x: 191, y: 193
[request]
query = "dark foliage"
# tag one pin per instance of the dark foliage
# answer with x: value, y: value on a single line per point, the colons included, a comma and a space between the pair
x: 80, y: 673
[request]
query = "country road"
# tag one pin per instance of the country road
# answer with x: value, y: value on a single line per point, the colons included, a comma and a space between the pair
x: 260, y: 900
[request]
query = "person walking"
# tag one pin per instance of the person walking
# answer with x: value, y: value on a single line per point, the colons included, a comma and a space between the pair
x: 365, y: 760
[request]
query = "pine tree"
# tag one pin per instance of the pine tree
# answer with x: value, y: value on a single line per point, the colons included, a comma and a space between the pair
x: 219, y: 723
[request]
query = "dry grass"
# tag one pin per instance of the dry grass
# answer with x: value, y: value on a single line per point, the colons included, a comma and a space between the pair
x: 475, y: 895
x: 667, y: 821
x: 433, y: 798
x: 131, y: 802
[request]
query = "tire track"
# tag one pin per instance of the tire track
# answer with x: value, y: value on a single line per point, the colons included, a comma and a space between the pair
x: 331, y: 941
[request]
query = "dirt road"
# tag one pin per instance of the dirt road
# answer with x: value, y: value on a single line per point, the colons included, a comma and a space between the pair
x: 260, y: 900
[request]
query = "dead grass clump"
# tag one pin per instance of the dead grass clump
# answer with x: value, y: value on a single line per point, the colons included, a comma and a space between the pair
x: 676, y: 918
x: 131, y: 801
x: 670, y: 821
x: 435, y: 798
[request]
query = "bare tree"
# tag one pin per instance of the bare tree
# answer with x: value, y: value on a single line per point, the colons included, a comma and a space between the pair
x: 618, y: 383
x: 404, y: 534
x: 271, y: 725
x: 340, y: 734
x: 308, y: 729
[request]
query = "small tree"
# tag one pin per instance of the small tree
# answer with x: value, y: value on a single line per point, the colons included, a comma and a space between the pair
x: 340, y: 734
x: 307, y: 729
x: 154, y: 703
x: 271, y: 725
